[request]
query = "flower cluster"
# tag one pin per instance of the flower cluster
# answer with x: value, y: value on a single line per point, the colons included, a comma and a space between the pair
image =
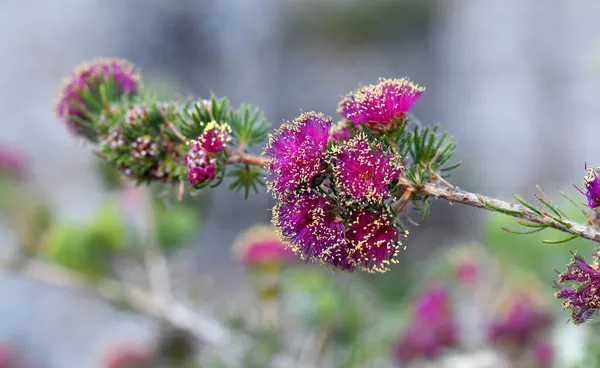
x: 91, y: 89
x: 381, y: 106
x: 333, y: 196
x: 522, y: 322
x: 583, y: 296
x: 432, y: 327
x: 201, y: 159
x: 364, y: 172
x: 297, y: 153
x: 139, y: 141
x: 260, y: 245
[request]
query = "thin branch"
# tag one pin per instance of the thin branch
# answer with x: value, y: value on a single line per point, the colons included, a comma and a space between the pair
x: 472, y: 199
x: 177, y: 314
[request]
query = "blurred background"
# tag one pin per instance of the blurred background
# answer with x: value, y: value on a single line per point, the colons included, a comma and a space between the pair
x: 516, y: 82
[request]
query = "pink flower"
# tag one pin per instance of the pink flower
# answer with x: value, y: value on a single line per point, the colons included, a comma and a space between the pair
x: 200, y: 166
x: 373, y: 239
x: 365, y: 171
x: 6, y: 356
x: 592, y: 188
x: 582, y: 297
x: 382, y: 105
x: 432, y: 328
x: 522, y: 322
x: 12, y: 162
x: 339, y: 132
x: 542, y: 354
x: 261, y: 245
x: 308, y: 226
x: 214, y: 138
x: 296, y: 153
x: 467, y: 272
x: 129, y: 357
x: 80, y: 96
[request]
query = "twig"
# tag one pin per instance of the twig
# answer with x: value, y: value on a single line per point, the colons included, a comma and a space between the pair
x: 206, y: 329
x: 472, y: 199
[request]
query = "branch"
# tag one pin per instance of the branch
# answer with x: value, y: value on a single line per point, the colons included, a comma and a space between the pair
x: 472, y: 199
x: 177, y: 314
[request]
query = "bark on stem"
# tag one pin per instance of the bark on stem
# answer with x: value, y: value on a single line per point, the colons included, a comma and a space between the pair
x: 471, y: 199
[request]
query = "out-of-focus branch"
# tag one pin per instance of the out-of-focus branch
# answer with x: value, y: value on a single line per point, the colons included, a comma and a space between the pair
x: 203, y: 327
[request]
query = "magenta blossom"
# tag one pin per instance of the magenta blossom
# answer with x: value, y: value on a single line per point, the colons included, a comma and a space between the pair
x: 74, y: 100
x: 261, y: 245
x: 382, y: 105
x: 522, y: 322
x: 373, y: 240
x: 199, y: 165
x: 467, y: 271
x: 542, y: 354
x: 592, y: 188
x: 214, y: 138
x: 432, y: 329
x: 339, y: 132
x: 306, y: 223
x: 364, y: 171
x: 296, y: 152
x: 583, y: 297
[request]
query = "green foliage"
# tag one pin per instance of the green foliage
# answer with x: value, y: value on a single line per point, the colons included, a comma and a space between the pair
x: 247, y: 177
x: 249, y: 126
x: 328, y: 305
x: 87, y: 249
x: 529, y: 251
x: 175, y: 226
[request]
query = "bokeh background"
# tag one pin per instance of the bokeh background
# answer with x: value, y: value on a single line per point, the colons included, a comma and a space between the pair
x: 517, y: 83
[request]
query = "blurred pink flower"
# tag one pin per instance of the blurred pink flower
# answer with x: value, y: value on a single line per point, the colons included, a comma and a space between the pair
x: 523, y: 320
x: 467, y: 272
x: 433, y: 327
x: 543, y: 354
x: 12, y: 162
x: 128, y: 357
x: 6, y: 356
x: 261, y: 245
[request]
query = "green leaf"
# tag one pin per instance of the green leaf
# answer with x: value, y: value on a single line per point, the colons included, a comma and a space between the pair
x: 175, y: 227
x: 528, y: 251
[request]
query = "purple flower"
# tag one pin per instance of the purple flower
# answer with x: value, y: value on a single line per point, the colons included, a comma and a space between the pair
x: 382, y: 105
x: 364, y: 172
x: 74, y: 99
x: 199, y: 165
x: 467, y: 272
x: 296, y: 152
x: 214, y: 138
x: 7, y: 356
x: 261, y: 245
x: 522, y: 322
x: 583, y: 297
x: 12, y: 162
x: 432, y: 329
x: 592, y: 188
x: 542, y: 354
x: 306, y: 223
x: 373, y: 240
x: 339, y: 132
